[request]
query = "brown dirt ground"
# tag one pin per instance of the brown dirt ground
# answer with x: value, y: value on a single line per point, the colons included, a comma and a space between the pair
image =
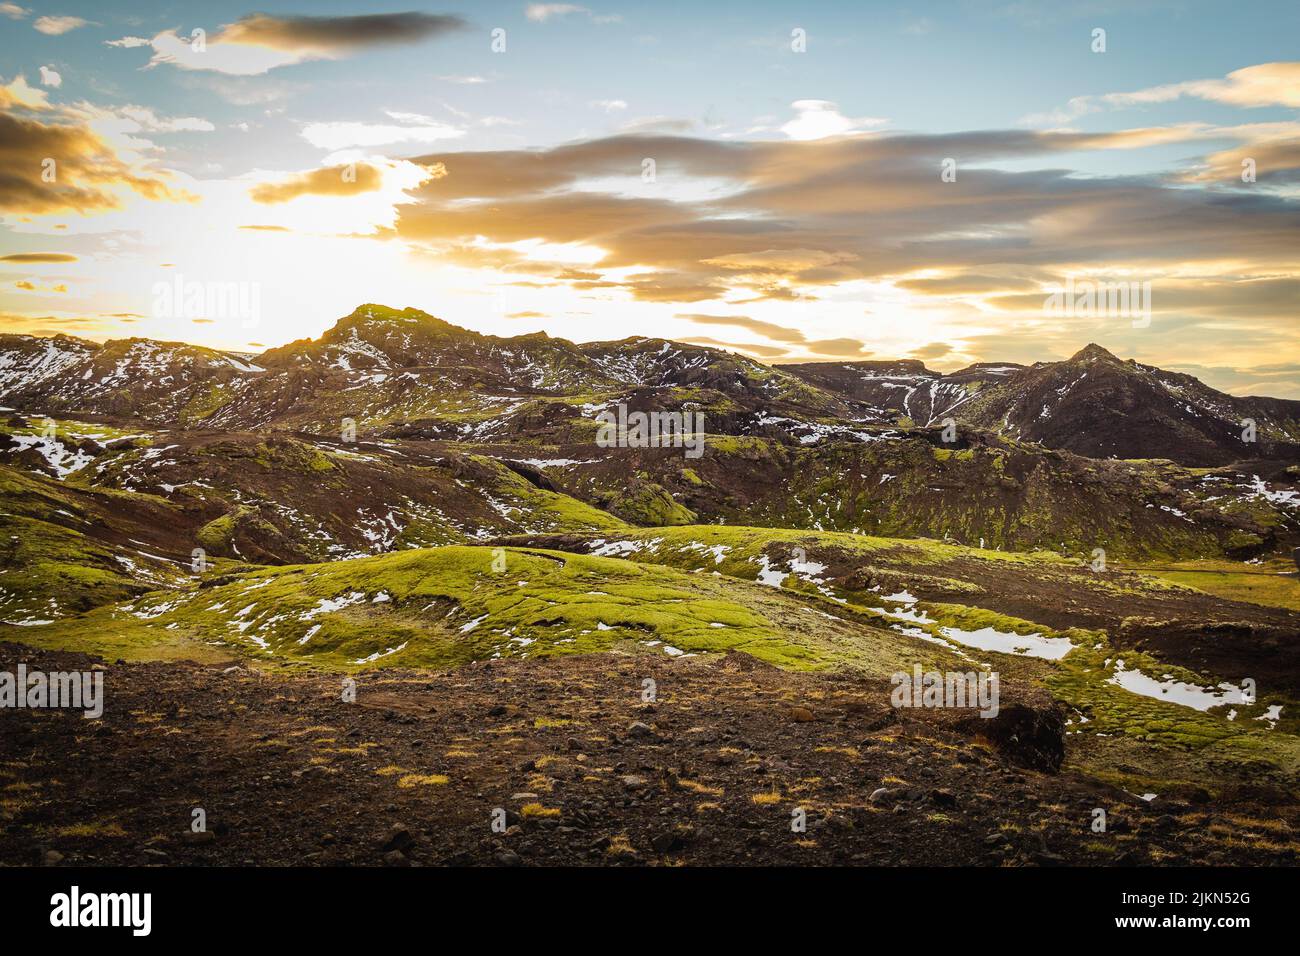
x: 288, y: 773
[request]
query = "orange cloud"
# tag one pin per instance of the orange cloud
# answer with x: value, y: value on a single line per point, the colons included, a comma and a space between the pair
x: 28, y: 257
x: 332, y: 181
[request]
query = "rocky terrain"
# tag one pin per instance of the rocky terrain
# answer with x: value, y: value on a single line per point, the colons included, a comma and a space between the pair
x: 424, y: 510
x: 579, y: 770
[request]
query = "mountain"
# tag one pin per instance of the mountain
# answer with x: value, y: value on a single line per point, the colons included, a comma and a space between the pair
x: 384, y: 367
x: 1092, y: 404
x: 903, y: 388
x: 461, y: 437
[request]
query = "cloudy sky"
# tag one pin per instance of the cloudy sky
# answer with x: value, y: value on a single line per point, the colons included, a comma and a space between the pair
x: 766, y: 177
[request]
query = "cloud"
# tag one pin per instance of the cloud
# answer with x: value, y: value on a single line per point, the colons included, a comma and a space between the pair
x: 69, y: 167
x: 13, y: 11
x: 818, y: 119
x: 27, y: 286
x: 344, y: 200
x: 1281, y: 379
x: 610, y: 106
x: 658, y: 124
x: 1276, y: 163
x: 744, y: 225
x: 780, y: 261
x: 49, y: 77
x: 769, y: 330
x: 746, y: 348
x: 932, y: 351
x: 541, y: 12
x: 846, y: 348
x: 343, y: 135
x: 261, y: 42
x: 151, y: 122
x: 242, y: 90
x: 128, y: 42
x: 1265, y: 84
x: 1252, y: 87
x: 32, y: 257
x: 57, y: 26
x: 18, y: 94
x: 336, y: 181
x: 967, y: 283
x: 673, y: 288
x: 329, y: 36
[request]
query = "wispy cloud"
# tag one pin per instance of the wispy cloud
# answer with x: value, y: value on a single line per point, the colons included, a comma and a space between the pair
x: 1265, y: 84
x: 542, y: 12
x: 410, y: 128
x: 768, y: 330
x: 260, y: 42
x: 57, y: 26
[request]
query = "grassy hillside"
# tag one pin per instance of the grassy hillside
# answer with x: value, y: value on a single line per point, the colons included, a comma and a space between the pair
x: 448, y: 606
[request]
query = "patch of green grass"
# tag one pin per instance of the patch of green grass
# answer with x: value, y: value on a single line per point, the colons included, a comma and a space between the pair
x: 47, y: 571
x: 1083, y: 679
x: 545, y: 511
x: 1271, y: 585
x: 448, y: 606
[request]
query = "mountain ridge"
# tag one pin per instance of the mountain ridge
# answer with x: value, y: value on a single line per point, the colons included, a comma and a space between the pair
x: 917, y: 366
x: 406, y: 365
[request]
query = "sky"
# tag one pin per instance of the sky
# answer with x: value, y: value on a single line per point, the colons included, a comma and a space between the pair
x: 796, y: 181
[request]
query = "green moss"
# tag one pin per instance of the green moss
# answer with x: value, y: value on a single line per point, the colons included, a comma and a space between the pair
x: 544, y: 511
x: 953, y: 454
x: 742, y: 445
x: 217, y: 536
x: 205, y: 402
x: 47, y: 571
x: 647, y: 503
x: 1083, y: 680
x: 446, y: 607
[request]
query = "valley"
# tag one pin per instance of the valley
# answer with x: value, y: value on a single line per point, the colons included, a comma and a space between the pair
x: 429, y: 514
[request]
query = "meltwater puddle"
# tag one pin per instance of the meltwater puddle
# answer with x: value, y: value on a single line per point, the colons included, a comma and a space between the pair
x: 984, y: 639
x: 1175, y: 691
x: 1008, y: 642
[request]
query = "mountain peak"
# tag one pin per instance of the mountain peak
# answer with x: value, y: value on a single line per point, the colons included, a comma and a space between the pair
x: 374, y: 312
x: 385, y: 320
x: 1092, y: 352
